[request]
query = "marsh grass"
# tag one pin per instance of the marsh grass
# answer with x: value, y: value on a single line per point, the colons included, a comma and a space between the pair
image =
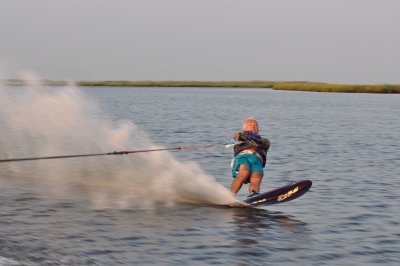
x: 323, y: 87
x: 276, y: 85
x: 217, y: 84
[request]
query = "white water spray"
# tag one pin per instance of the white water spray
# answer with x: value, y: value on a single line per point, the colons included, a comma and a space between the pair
x: 40, y: 121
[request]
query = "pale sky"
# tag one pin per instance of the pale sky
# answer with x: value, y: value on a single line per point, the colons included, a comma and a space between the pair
x: 335, y: 41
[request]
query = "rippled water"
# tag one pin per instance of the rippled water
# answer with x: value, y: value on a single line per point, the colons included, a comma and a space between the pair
x: 347, y: 144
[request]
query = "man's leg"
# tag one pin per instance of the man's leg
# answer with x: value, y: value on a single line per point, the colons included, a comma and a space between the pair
x: 237, y: 183
x: 255, y: 181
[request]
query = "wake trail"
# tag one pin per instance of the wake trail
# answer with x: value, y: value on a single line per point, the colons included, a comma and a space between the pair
x: 40, y: 121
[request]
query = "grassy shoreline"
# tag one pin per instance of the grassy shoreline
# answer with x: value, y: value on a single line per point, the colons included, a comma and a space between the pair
x: 322, y: 87
x: 275, y: 85
x: 210, y: 84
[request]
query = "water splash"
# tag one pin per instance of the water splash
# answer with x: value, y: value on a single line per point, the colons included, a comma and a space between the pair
x: 39, y: 121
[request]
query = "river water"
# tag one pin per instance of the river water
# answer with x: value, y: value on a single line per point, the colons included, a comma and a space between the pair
x: 162, y: 208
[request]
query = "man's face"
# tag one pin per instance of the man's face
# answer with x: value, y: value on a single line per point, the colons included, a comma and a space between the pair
x: 251, y: 125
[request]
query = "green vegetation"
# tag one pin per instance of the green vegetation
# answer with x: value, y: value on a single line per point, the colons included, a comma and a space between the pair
x: 221, y: 84
x: 294, y: 86
x: 323, y: 87
x: 276, y: 85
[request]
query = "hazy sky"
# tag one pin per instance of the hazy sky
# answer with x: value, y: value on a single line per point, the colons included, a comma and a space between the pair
x: 337, y: 41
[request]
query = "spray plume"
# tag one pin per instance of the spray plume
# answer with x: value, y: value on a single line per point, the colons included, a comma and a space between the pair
x: 37, y: 121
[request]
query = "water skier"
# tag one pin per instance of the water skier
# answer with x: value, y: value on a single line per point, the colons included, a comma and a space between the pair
x: 250, y: 156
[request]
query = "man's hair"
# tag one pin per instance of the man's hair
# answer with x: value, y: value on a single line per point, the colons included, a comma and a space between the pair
x: 247, y: 119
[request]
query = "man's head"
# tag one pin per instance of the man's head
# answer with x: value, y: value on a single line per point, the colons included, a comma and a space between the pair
x: 250, y: 125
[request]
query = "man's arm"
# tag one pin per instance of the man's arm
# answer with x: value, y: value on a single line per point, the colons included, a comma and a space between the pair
x: 265, y: 143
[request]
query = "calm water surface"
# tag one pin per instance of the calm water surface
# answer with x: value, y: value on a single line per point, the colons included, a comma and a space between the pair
x: 347, y: 144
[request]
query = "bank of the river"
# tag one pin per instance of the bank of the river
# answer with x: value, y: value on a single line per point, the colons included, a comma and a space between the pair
x: 216, y: 84
x: 323, y: 87
x: 276, y: 85
x: 296, y: 86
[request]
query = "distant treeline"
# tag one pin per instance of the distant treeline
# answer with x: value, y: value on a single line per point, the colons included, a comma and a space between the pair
x: 276, y: 85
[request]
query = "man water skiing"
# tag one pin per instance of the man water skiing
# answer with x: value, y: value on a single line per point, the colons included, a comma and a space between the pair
x: 250, y: 156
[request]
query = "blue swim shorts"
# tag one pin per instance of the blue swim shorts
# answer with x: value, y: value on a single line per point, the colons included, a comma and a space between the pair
x: 251, y: 160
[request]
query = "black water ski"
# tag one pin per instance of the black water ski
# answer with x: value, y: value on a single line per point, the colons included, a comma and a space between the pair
x: 280, y: 195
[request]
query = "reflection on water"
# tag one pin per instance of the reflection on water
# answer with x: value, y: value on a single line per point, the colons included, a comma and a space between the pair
x: 255, y: 233
x: 256, y: 219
